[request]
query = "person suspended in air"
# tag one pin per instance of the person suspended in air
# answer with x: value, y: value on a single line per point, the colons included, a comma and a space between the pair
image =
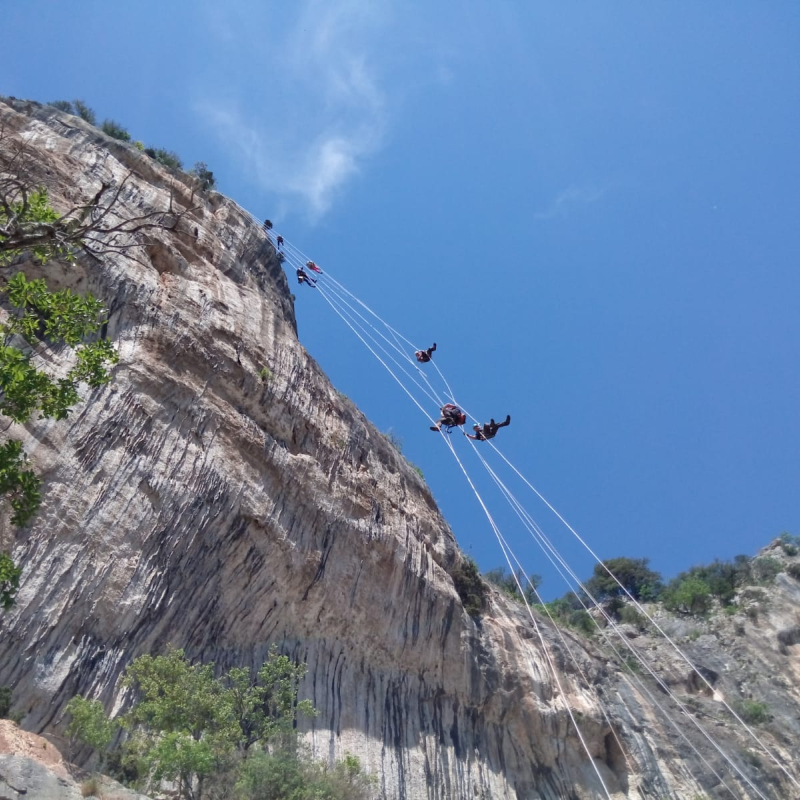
x: 424, y: 356
x: 279, y: 242
x: 267, y: 225
x: 312, y: 265
x: 489, y: 430
x: 452, y: 416
x: 302, y: 277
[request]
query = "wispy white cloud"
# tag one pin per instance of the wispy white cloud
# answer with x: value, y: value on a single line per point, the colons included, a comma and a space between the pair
x: 571, y: 198
x: 304, y: 149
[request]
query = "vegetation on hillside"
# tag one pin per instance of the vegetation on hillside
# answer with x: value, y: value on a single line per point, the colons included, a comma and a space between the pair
x: 617, y: 582
x: 232, y: 736
x: 200, y: 172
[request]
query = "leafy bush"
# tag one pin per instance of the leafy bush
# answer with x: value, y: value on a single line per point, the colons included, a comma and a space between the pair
x: 628, y: 615
x: 5, y: 701
x: 204, y: 176
x: 84, y: 112
x: 166, y: 157
x: 687, y: 594
x: 418, y: 471
x: 790, y: 543
x: 471, y: 589
x: 507, y: 583
x: 9, y: 572
x: 633, y: 573
x: 265, y: 375
x: 753, y: 712
x: 291, y: 773
x: 581, y: 620
x: 765, y: 569
x: 115, y: 130
x: 63, y: 105
x: 794, y: 571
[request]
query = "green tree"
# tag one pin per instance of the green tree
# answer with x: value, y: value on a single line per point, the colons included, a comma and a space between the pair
x: 89, y: 724
x: 204, y: 176
x: 632, y: 575
x: 63, y: 105
x: 84, y: 112
x: 25, y: 391
x: 115, y: 130
x: 688, y: 593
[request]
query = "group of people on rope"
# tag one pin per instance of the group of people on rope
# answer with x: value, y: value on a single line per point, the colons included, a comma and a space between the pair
x: 451, y: 415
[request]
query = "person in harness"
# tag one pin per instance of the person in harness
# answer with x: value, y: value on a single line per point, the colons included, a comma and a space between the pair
x: 452, y: 416
x: 279, y: 242
x: 488, y: 431
x: 312, y: 265
x: 424, y: 356
x: 302, y: 277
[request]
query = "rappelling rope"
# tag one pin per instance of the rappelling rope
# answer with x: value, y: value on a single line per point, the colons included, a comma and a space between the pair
x: 544, y: 543
x: 558, y: 515
x: 497, y: 533
x: 642, y: 610
x: 545, y: 648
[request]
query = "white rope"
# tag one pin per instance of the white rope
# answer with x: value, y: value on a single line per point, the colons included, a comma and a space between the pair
x: 548, y: 549
x: 297, y: 254
x: 545, y: 648
x: 643, y: 611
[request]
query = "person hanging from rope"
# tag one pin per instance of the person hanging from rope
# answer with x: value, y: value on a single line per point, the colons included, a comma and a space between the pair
x: 267, y: 225
x: 312, y: 265
x: 452, y: 416
x: 302, y: 277
x: 424, y: 356
x: 489, y: 430
x: 279, y: 242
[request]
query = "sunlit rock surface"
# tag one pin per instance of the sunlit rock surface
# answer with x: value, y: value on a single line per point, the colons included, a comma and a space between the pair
x: 193, y: 502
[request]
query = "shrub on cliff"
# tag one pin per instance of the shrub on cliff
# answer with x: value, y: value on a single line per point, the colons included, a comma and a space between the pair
x: 63, y: 105
x: 507, y: 582
x: 166, y: 157
x: 115, y: 130
x: 471, y: 589
x: 84, y: 112
x: 204, y: 175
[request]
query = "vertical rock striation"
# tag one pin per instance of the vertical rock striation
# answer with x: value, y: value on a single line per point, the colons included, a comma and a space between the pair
x: 193, y: 502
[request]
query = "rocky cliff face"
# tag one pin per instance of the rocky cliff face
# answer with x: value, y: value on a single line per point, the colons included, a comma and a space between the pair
x: 193, y: 503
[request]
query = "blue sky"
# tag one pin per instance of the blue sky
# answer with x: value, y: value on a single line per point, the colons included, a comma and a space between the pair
x: 592, y: 208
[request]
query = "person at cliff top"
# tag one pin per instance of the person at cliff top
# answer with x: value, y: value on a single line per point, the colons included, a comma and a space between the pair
x: 312, y: 265
x: 279, y: 242
x: 302, y: 277
x: 489, y: 431
x: 424, y: 356
x: 452, y: 416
